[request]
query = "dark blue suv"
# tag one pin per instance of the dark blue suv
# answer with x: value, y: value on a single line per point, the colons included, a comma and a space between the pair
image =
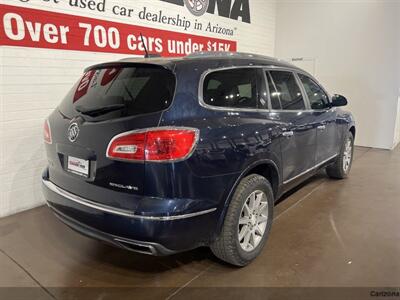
x: 164, y: 155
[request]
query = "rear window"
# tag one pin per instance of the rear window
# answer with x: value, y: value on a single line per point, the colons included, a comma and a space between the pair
x: 235, y: 88
x: 120, y: 92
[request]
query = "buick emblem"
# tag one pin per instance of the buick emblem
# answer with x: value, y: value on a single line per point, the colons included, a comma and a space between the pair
x: 197, y: 7
x: 73, y: 132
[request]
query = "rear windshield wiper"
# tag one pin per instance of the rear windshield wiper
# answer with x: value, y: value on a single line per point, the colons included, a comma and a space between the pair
x: 98, y: 111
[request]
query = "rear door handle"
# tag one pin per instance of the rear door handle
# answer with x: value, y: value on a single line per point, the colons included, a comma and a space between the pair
x: 321, y: 127
x: 288, y: 134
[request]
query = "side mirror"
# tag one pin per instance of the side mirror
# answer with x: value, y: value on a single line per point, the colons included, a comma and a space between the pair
x: 339, y: 100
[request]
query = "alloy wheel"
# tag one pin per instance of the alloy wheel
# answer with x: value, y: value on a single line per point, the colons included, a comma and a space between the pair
x: 347, y: 155
x: 253, y: 220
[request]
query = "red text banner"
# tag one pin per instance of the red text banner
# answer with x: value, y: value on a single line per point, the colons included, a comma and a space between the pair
x: 26, y: 27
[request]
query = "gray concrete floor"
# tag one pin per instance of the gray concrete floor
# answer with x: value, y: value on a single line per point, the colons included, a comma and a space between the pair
x: 326, y: 233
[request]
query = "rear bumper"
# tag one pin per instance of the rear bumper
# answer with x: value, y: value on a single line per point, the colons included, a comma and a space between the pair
x: 128, y: 244
x: 150, y: 234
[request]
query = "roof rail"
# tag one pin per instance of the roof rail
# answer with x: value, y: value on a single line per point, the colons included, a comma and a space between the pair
x: 228, y: 54
x: 153, y: 55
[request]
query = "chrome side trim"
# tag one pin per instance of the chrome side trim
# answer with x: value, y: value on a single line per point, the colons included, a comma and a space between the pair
x: 118, y: 211
x: 310, y: 169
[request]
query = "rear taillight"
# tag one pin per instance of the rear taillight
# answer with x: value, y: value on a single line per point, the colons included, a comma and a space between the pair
x: 157, y: 145
x: 47, y: 132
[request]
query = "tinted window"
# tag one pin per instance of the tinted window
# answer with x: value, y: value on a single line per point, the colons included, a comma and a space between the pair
x: 288, y: 90
x: 316, y: 95
x: 236, y: 88
x: 120, y: 92
x: 273, y: 94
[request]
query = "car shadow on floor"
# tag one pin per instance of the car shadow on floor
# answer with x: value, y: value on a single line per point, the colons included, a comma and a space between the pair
x: 320, y: 176
x: 124, y: 259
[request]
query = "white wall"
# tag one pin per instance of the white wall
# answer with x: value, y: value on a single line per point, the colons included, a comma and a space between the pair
x: 397, y: 130
x: 33, y: 82
x: 356, y: 48
x: 397, y: 127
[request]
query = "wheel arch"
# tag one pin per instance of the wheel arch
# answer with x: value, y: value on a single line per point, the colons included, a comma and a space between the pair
x: 266, y: 168
x: 353, y: 130
x: 269, y: 170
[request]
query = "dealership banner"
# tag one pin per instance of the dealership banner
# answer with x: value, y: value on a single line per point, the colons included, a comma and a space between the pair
x: 27, y: 27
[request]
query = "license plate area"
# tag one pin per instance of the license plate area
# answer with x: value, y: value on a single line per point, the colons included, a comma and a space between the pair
x: 78, y: 166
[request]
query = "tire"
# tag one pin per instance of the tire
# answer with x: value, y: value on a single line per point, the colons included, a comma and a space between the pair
x: 227, y: 246
x: 339, y: 170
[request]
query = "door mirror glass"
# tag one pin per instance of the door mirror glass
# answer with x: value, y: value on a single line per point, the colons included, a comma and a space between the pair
x: 339, y: 100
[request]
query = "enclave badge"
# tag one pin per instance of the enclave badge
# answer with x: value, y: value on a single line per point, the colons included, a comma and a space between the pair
x: 73, y: 132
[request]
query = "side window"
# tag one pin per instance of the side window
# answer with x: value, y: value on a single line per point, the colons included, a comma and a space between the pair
x: 235, y: 88
x: 288, y: 90
x: 273, y: 94
x: 318, y: 98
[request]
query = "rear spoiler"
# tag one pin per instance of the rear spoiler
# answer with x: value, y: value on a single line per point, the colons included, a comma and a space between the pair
x: 125, y: 64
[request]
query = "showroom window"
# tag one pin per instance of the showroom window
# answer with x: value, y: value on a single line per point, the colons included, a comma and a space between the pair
x: 235, y: 88
x: 288, y: 90
x: 316, y: 95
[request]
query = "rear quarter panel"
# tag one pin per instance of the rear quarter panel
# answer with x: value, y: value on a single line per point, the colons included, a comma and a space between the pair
x: 229, y: 143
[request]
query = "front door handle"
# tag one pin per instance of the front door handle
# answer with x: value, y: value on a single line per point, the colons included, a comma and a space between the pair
x: 288, y: 134
x: 321, y: 127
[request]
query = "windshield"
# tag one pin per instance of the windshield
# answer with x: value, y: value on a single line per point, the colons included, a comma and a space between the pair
x: 120, y: 92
